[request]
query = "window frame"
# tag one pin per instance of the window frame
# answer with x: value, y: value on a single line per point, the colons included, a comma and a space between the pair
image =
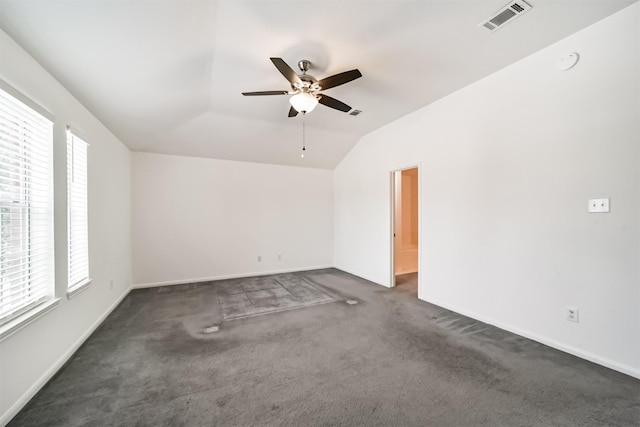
x: 77, y: 213
x: 26, y: 136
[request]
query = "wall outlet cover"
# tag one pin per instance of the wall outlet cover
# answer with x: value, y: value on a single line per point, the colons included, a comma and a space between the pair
x: 598, y: 206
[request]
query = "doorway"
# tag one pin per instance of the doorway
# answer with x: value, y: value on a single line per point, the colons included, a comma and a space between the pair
x: 405, y: 214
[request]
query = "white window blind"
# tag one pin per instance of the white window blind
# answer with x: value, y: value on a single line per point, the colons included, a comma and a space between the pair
x: 26, y: 208
x: 78, y: 239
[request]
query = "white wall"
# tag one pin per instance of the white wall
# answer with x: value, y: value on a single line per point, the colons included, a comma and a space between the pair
x: 30, y: 356
x: 198, y: 219
x: 508, y: 164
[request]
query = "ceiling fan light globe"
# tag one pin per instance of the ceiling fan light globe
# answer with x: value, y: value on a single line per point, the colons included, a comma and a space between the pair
x: 303, y: 102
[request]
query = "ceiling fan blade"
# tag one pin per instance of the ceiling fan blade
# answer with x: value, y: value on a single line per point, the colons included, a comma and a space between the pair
x: 266, y: 92
x: 333, y: 103
x: 286, y: 71
x: 339, y: 79
x: 293, y: 112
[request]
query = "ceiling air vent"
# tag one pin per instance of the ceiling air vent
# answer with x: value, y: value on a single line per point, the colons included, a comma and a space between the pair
x: 355, y: 112
x: 506, y: 14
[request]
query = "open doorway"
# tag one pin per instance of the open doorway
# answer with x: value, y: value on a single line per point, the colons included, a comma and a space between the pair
x: 405, y: 229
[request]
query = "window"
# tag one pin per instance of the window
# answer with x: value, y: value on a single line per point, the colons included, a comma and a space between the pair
x: 26, y: 208
x: 77, y: 226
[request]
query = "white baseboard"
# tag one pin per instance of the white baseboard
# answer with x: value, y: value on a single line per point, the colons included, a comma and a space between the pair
x: 224, y: 276
x: 362, y: 277
x: 611, y: 364
x: 35, y: 388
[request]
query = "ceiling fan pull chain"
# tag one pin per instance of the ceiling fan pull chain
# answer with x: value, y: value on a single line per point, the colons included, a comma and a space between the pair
x: 303, y: 141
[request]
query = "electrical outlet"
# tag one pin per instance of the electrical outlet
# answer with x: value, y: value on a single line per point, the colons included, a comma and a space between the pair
x: 259, y: 258
x: 598, y: 206
x: 572, y: 314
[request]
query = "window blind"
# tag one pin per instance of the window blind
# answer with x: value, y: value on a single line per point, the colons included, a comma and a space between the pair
x: 78, y: 238
x: 26, y: 208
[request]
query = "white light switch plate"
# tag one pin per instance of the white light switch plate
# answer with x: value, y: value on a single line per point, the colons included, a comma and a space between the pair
x: 598, y: 205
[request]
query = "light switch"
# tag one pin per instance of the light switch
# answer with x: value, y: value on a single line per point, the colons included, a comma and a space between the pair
x: 598, y: 205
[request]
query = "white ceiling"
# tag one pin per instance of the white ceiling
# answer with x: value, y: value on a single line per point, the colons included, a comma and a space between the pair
x: 167, y: 76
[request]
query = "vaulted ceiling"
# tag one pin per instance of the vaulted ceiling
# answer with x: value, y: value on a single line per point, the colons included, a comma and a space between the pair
x: 166, y: 76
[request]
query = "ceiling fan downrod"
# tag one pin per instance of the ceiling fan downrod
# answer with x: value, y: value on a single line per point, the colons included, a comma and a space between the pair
x: 304, y: 65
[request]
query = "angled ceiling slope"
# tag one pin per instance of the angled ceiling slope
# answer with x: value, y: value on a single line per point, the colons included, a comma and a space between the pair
x: 167, y: 76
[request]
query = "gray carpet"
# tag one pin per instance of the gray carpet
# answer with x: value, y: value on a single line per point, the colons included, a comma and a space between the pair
x: 390, y: 360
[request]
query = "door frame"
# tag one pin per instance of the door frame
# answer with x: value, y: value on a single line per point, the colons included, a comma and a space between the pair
x: 392, y: 211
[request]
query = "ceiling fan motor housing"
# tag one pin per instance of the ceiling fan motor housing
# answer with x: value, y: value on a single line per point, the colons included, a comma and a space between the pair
x: 308, y: 83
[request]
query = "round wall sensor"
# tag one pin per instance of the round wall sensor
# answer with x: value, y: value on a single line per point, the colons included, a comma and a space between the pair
x: 567, y: 61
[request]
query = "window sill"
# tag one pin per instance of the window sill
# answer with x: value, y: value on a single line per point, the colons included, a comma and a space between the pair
x: 20, y: 322
x: 78, y: 288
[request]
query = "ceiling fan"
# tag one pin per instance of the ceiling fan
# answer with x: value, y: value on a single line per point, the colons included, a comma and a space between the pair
x: 305, y: 88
